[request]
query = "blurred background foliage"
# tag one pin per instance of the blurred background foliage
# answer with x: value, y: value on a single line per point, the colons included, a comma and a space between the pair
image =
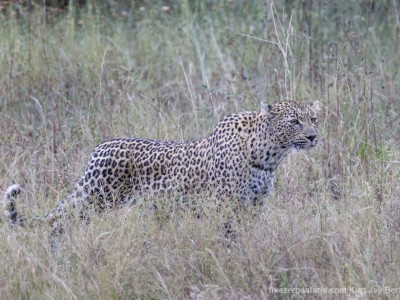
x: 106, y: 68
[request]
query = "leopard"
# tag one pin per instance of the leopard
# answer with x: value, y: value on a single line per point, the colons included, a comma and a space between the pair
x: 237, y: 160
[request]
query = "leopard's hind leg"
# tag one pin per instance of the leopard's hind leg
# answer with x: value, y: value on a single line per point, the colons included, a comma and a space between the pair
x: 74, y: 207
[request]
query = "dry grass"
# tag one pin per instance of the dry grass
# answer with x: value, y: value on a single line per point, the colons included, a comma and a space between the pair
x: 334, y: 220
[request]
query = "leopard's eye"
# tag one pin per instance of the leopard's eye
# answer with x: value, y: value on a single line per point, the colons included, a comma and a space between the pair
x: 313, y: 119
x: 294, y: 122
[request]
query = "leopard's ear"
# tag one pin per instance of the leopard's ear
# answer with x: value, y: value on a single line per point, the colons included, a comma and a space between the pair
x: 268, y: 110
x: 315, y: 105
x: 266, y: 107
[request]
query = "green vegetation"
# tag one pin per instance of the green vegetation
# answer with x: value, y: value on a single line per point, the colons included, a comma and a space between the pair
x: 171, y: 71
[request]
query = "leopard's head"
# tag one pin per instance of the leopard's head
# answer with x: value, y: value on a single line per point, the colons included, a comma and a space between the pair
x: 294, y: 124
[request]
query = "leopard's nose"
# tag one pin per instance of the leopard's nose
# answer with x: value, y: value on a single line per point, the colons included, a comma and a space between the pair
x: 311, y: 137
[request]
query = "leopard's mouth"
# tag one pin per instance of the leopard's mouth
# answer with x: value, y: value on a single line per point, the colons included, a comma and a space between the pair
x: 305, y: 145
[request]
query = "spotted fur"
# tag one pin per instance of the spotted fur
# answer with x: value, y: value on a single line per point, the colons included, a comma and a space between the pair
x: 238, y: 160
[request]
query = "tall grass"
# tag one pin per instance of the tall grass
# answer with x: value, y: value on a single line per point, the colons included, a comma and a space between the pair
x: 171, y: 71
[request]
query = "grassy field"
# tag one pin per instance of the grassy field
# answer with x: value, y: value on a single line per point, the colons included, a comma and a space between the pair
x: 171, y: 71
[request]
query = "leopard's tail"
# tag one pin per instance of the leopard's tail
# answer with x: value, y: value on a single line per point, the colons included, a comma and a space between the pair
x: 9, y: 205
x: 14, y: 216
x: 58, y: 213
x: 55, y: 217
